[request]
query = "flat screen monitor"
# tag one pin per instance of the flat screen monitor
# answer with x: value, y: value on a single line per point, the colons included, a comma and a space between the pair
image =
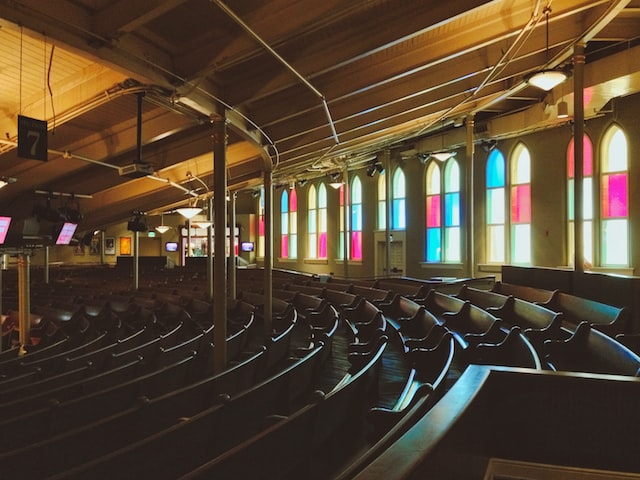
x: 171, y: 246
x: 4, y: 228
x: 66, y: 233
x: 246, y: 246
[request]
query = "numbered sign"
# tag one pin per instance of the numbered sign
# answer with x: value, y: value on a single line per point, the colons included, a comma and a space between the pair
x: 32, y: 138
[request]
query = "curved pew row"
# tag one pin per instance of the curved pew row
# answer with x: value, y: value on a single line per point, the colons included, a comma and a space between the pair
x: 188, y: 437
x: 492, y: 417
x: 583, y: 348
x: 138, y: 419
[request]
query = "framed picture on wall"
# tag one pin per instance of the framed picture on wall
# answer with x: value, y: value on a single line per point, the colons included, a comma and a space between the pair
x: 125, y: 245
x: 94, y: 246
x: 109, y: 246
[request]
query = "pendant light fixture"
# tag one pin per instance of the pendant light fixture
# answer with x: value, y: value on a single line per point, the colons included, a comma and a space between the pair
x: 162, y: 228
x: 546, y: 79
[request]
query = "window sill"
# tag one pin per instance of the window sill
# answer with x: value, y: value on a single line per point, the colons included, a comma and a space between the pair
x: 445, y: 266
x: 316, y: 261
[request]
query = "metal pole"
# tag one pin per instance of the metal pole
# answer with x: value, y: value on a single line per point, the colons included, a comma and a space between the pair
x: 268, y: 254
x: 232, y: 246
x: 136, y: 257
x: 24, y: 303
x: 210, y: 248
x: 46, y: 265
x: 388, y: 210
x: 220, y: 259
x: 578, y: 157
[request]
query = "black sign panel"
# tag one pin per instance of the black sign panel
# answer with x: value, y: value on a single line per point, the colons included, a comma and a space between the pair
x: 32, y: 138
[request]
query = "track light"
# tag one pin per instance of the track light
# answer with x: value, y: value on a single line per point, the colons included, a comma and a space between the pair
x: 255, y: 193
x: 302, y: 182
x: 489, y: 145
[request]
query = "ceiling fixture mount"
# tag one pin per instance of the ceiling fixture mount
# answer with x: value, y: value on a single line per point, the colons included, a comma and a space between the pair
x: 162, y: 228
x: 546, y: 79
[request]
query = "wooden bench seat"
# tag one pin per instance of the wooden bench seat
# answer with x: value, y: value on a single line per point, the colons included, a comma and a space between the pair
x: 589, y: 350
x: 606, y: 318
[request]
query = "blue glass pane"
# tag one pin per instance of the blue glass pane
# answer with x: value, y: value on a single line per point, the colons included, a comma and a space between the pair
x: 495, y: 170
x: 398, y: 214
x: 356, y: 217
x: 284, y: 202
x: 452, y: 209
x: 434, y: 247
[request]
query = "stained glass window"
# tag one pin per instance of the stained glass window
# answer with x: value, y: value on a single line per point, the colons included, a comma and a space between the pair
x: 443, y: 212
x: 614, y: 199
x: 496, y: 207
x: 521, y: 205
x: 289, y: 224
x: 398, y: 211
x: 382, y: 202
x: 587, y: 200
x: 356, y: 219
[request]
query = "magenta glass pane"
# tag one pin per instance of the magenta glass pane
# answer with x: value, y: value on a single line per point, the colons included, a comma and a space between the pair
x: 322, y: 245
x: 342, y: 195
x: 284, y: 248
x: 521, y: 204
x: 356, y: 245
x: 614, y: 196
x: 293, y: 201
x: 261, y: 226
x: 433, y: 211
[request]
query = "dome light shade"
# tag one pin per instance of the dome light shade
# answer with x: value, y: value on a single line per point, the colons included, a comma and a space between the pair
x: 443, y: 155
x: 546, y: 79
x: 163, y: 228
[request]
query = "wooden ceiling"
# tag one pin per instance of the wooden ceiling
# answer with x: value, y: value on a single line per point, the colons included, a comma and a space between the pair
x: 305, y: 87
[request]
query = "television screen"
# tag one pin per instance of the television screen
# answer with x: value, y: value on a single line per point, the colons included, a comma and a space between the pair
x: 171, y: 246
x: 4, y: 228
x: 246, y: 246
x: 66, y: 233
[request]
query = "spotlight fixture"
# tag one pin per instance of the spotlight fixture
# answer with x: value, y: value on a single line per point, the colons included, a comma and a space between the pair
x: 302, y: 182
x: 489, y: 145
x: 375, y: 167
x: 138, y: 222
x: 255, y: 193
x: 546, y: 79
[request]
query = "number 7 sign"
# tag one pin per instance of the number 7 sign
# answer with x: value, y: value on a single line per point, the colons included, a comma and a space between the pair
x: 32, y: 138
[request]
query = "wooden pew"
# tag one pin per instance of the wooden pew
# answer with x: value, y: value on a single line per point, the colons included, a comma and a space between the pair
x: 589, y: 350
x: 530, y: 294
x: 606, y: 318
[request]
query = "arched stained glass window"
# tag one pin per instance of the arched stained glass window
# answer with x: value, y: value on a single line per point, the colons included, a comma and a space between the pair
x: 382, y: 201
x: 261, y: 223
x: 496, y: 207
x: 587, y: 199
x: 356, y: 219
x: 521, y: 205
x: 289, y: 224
x: 317, y: 221
x: 614, y: 198
x: 398, y: 210
x: 443, y: 217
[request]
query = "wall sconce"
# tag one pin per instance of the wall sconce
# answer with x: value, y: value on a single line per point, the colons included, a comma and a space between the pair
x: 546, y: 79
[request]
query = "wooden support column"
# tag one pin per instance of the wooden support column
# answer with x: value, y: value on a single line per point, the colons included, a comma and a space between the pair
x: 388, y: 210
x: 232, y: 245
x: 468, y: 215
x: 1, y: 307
x: 268, y: 254
x: 220, y: 258
x: 346, y: 202
x: 102, y: 254
x: 24, y: 301
x: 46, y: 266
x: 578, y: 145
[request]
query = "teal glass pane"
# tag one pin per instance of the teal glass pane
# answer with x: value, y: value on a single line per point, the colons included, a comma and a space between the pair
x: 356, y: 191
x: 495, y: 170
x: 399, y: 214
x: 452, y: 209
x: 312, y: 221
x: 434, y: 247
x: 322, y: 196
x: 356, y: 217
x: 452, y: 177
x: 521, y: 243
x: 615, y: 242
x: 284, y: 202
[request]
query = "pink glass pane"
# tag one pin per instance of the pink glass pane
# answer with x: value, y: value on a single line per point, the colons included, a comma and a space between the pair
x: 261, y: 226
x: 284, y: 248
x: 614, y: 196
x: 322, y: 245
x: 521, y: 204
x: 356, y: 245
x: 433, y: 211
x: 293, y: 202
x: 342, y: 195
